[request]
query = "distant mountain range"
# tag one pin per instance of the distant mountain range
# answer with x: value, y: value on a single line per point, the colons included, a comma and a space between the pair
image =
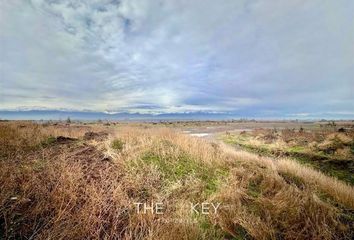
x: 89, y: 115
x: 41, y: 114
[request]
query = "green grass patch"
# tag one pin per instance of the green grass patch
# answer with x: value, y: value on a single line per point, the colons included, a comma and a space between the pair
x: 117, y: 144
x: 178, y: 169
x: 296, y: 149
x: 50, y: 140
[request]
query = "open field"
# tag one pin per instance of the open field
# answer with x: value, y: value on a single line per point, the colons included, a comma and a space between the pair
x: 77, y: 181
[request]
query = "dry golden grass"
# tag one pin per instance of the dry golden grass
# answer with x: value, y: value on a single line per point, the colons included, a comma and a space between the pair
x: 340, y: 191
x: 329, y: 151
x: 87, y: 188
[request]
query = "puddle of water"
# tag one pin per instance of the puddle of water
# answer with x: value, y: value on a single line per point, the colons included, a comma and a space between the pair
x: 199, y: 134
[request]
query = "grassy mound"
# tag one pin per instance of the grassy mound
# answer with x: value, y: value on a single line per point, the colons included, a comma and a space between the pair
x: 327, y: 150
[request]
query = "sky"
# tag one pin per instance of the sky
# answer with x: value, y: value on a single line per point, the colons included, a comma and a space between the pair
x: 248, y: 57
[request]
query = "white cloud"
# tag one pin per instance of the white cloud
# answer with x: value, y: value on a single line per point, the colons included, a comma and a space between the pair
x: 166, y: 56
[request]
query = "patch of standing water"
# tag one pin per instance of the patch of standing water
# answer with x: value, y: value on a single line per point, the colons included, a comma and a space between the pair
x: 200, y: 134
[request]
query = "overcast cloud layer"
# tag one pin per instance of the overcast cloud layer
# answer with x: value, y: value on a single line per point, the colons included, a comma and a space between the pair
x: 284, y: 58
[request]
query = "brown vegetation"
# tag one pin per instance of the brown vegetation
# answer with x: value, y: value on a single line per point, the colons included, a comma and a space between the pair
x: 58, y: 182
x: 329, y: 150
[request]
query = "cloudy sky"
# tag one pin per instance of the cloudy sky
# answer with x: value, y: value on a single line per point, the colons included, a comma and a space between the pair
x: 253, y: 57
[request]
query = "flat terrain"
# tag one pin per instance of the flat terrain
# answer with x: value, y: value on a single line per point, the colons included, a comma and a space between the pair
x: 203, y: 180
